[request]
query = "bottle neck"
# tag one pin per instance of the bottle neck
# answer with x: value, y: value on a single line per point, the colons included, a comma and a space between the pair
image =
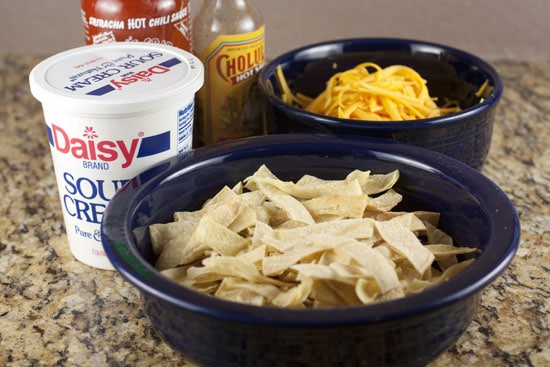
x: 226, y: 4
x: 224, y: 17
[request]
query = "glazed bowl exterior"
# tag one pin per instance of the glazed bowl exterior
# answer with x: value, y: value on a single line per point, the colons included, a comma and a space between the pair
x: 405, y: 332
x: 450, y: 73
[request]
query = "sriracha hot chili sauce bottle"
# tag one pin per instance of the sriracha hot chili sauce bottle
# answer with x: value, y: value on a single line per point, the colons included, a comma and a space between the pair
x: 154, y: 21
x: 228, y: 37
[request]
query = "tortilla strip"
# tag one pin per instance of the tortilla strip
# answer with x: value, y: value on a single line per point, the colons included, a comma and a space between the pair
x: 405, y: 243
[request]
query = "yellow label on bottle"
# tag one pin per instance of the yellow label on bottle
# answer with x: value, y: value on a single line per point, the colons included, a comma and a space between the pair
x: 229, y: 104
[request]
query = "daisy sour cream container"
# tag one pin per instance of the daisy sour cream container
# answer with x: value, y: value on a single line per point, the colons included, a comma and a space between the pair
x: 112, y: 111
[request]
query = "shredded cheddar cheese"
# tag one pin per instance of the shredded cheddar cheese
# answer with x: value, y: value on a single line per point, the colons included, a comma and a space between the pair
x: 370, y: 92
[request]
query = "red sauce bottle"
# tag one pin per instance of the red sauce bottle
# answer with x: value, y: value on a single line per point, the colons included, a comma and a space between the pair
x: 155, y: 21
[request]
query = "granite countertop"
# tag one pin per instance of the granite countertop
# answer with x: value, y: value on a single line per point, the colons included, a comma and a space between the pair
x: 56, y: 311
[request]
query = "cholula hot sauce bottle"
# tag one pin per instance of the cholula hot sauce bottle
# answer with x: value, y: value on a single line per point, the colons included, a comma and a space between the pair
x: 228, y: 37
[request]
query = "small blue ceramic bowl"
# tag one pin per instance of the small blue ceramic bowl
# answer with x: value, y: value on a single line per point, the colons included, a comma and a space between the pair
x: 450, y: 73
x: 405, y: 332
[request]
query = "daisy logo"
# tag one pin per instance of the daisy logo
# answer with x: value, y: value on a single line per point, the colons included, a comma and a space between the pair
x: 91, y: 148
x: 147, y: 75
x: 89, y: 133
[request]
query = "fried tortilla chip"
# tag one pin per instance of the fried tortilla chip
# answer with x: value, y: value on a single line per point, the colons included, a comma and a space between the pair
x: 310, y: 243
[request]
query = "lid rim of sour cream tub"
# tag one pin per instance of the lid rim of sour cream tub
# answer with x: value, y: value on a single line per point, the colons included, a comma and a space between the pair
x: 116, y: 78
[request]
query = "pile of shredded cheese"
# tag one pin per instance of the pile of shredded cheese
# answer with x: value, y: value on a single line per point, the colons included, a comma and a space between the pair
x: 370, y: 92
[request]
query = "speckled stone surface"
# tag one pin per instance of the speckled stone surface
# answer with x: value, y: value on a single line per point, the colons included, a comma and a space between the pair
x: 57, y: 311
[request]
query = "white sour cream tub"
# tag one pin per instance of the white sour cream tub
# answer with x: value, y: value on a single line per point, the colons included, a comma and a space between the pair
x: 112, y: 111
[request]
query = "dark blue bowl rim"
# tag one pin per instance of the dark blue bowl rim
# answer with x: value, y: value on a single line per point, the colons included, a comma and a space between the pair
x: 115, y: 232
x: 372, y: 44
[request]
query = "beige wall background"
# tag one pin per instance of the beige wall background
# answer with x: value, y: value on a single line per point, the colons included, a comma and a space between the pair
x: 492, y: 29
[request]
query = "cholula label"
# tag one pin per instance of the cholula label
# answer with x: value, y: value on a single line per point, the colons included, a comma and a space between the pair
x: 229, y: 101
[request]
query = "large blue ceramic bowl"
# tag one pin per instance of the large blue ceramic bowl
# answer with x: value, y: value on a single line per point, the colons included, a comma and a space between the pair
x: 406, y: 332
x: 450, y: 73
